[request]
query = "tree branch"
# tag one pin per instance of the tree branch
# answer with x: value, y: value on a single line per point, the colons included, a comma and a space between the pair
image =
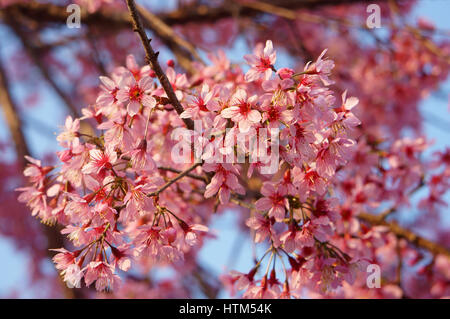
x: 194, y: 176
x: 50, y: 13
x: 183, y: 50
x: 173, y: 180
x: 34, y: 55
x: 397, y: 230
x: 152, y: 60
x: 12, y: 119
x: 401, y: 232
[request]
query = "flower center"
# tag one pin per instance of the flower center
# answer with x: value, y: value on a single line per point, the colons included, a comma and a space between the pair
x: 135, y: 93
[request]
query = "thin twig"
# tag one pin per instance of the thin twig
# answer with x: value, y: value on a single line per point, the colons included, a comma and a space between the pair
x: 184, y: 51
x: 152, y: 59
x: 47, y: 12
x: 174, y: 170
x: 174, y: 180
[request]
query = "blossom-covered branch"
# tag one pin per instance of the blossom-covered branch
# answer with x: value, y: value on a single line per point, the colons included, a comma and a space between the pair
x: 300, y: 147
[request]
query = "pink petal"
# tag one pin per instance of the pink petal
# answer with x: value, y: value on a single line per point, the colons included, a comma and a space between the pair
x: 133, y: 108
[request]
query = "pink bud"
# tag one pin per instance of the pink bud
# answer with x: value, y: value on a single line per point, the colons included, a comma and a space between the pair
x: 285, y: 73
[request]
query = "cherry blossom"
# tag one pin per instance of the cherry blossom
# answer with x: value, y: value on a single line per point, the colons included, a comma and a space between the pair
x: 261, y: 62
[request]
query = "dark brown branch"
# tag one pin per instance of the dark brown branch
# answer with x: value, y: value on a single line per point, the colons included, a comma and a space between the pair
x: 183, y: 50
x: 206, y: 14
x: 194, y: 176
x: 45, y: 12
x: 152, y: 60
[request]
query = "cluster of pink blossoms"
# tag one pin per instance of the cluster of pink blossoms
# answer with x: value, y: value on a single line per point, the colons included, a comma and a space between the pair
x: 114, y: 189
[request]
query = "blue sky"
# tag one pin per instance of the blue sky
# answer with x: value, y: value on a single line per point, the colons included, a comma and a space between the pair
x: 217, y: 253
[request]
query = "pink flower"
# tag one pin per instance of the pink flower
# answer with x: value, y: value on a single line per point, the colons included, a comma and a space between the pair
x: 77, y: 235
x: 299, y: 274
x: 100, y: 160
x: 223, y: 181
x: 36, y: 199
x: 276, y: 115
x: 78, y: 208
x: 274, y: 201
x: 35, y: 172
x: 190, y: 236
x: 261, y: 62
x: 203, y: 102
x: 243, y: 281
x: 70, y: 134
x: 302, y: 138
x: 286, y: 185
x: 136, y: 200
x: 108, y: 96
x: 178, y: 81
x: 64, y: 258
x: 121, y: 258
x: 103, y: 275
x: 72, y: 276
x: 321, y: 68
x: 133, y: 67
x: 136, y: 94
x: 326, y: 161
x: 116, y: 131
x: 309, y: 181
x: 344, y: 112
x: 241, y: 111
x: 263, y: 291
x: 305, y: 237
x: 158, y: 244
x: 263, y: 228
x: 140, y: 156
x: 288, y: 238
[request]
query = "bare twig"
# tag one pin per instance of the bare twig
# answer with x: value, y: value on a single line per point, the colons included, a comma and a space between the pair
x: 174, y: 180
x: 194, y: 176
